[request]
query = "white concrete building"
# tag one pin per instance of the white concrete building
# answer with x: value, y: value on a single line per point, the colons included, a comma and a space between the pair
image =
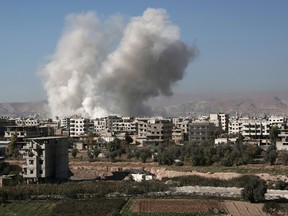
x: 142, y: 126
x: 100, y: 124
x: 215, y: 119
x: 235, y: 125
x: 256, y: 129
x: 283, y: 144
x: 220, y: 120
x: 184, y: 126
x: 220, y: 141
x: 139, y: 177
x: 224, y: 120
x: 278, y: 121
x: 65, y: 123
x: 80, y: 126
x: 27, y: 122
x: 178, y: 136
x: 125, y: 124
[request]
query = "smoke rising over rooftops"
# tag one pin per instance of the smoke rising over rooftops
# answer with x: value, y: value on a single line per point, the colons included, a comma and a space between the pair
x: 107, y: 67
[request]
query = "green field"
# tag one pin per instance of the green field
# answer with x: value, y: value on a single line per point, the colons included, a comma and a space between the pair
x: 89, y: 207
x: 27, y: 208
x: 69, y: 207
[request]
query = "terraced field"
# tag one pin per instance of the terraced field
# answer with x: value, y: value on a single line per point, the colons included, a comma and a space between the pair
x: 238, y: 208
x: 176, y: 206
x: 62, y: 207
x: 135, y: 207
x: 27, y: 208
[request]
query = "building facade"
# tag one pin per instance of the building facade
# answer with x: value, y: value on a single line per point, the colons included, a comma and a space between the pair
x: 46, y: 158
x: 158, y: 131
x: 200, y: 131
x: 80, y: 126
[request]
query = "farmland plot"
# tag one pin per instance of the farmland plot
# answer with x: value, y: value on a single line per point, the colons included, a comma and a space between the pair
x: 175, y: 206
x: 238, y: 208
x: 25, y: 208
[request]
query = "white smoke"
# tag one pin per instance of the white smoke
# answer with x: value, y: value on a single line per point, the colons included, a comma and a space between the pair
x: 102, y: 68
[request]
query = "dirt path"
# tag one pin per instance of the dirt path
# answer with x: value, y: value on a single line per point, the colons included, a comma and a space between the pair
x: 238, y: 208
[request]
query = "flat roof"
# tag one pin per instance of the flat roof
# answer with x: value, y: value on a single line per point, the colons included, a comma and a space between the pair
x: 45, y: 138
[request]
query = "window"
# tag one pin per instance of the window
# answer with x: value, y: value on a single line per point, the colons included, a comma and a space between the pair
x: 31, y: 171
x: 31, y: 161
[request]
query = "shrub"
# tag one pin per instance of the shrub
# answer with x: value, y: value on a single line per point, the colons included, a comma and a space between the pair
x: 280, y: 185
x: 179, y: 163
x: 74, y: 152
x: 271, y: 154
x: 271, y: 207
x: 254, y: 190
x: 3, y: 197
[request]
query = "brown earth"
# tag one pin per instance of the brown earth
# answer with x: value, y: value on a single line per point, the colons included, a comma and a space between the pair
x: 239, y: 208
x: 89, y: 170
x: 175, y: 205
x: 235, y: 208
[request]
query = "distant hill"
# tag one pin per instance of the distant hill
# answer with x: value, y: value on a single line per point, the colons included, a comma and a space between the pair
x: 249, y: 105
x: 24, y: 109
x: 182, y: 105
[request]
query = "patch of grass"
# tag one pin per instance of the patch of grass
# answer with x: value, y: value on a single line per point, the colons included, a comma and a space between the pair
x: 27, y: 208
x: 109, y: 207
x: 195, y: 180
x: 82, y: 189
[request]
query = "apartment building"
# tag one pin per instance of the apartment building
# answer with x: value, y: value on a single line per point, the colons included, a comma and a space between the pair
x: 235, y: 125
x: 183, y: 125
x: 125, y: 124
x: 283, y: 144
x: 178, y: 136
x: 65, y: 123
x: 224, y: 120
x: 5, y: 122
x: 256, y: 129
x: 27, y: 131
x: 158, y: 131
x: 106, y: 123
x: 80, y: 126
x: 100, y: 124
x: 220, y: 120
x: 142, y: 126
x: 278, y: 121
x: 215, y: 119
x: 46, y: 158
x: 200, y: 130
x: 27, y: 122
x: 110, y: 120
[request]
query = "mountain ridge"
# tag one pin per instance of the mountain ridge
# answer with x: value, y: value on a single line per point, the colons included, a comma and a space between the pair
x: 252, y: 105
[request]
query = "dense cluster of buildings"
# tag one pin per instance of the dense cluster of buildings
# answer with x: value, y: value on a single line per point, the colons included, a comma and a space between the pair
x: 147, y: 130
x: 44, y: 143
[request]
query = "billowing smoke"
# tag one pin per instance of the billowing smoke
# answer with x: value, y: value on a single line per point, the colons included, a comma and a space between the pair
x: 101, y: 68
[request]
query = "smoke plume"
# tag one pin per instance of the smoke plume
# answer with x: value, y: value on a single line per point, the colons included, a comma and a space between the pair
x: 107, y: 67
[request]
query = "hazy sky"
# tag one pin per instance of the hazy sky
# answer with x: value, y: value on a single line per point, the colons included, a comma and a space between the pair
x: 242, y: 44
